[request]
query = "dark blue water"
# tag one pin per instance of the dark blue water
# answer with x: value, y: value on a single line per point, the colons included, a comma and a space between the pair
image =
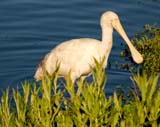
x: 31, y: 28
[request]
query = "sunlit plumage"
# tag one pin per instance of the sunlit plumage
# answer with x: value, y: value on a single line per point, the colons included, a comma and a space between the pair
x: 76, y: 56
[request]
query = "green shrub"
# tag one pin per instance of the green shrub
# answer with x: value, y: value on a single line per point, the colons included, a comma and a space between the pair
x: 84, y: 105
x: 147, y: 42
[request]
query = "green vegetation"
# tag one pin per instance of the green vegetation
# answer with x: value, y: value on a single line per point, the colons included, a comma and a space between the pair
x: 147, y: 42
x: 84, y: 105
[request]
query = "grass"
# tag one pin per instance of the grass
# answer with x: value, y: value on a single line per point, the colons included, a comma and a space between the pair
x: 85, y: 105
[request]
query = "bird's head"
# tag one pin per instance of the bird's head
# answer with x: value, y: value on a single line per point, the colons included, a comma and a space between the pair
x: 110, y: 20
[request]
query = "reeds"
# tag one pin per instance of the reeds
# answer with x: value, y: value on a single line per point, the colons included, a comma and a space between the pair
x: 82, y: 105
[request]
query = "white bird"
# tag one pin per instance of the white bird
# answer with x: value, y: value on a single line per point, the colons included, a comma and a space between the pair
x: 75, y: 56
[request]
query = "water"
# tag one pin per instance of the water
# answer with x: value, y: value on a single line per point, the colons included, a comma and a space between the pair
x: 31, y: 28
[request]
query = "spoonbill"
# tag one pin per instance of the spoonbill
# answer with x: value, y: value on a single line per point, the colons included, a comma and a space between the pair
x: 76, y: 56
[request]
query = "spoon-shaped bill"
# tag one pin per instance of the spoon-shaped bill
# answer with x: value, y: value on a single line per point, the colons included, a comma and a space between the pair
x: 137, y: 57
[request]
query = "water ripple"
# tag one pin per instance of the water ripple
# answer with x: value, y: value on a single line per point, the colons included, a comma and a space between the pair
x: 31, y: 28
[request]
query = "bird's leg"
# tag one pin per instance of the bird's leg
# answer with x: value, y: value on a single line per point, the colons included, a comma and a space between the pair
x: 73, y: 77
x: 82, y: 78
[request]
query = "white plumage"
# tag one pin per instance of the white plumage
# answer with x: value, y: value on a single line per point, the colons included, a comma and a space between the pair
x: 76, y: 56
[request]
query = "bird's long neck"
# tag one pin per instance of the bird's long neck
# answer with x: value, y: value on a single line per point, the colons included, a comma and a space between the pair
x: 107, y: 36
